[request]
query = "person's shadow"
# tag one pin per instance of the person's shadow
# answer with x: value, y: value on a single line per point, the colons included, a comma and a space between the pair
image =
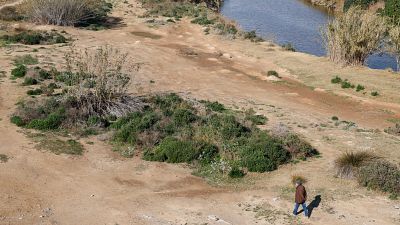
x: 313, y: 204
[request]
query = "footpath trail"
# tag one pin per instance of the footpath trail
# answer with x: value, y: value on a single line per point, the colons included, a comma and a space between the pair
x: 101, y: 187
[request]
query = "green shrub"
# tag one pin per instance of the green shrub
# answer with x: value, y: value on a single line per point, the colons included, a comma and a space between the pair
x: 36, y: 91
x: 183, y: 117
x: 51, y: 122
x: 254, y: 118
x: 380, y: 175
x: 227, y: 127
x: 392, y: 11
x: 288, y: 47
x: 346, y: 84
x: 360, y: 88
x: 17, y: 120
x: 30, y: 81
x: 336, y: 80
x: 35, y: 38
x: 236, y: 172
x: 19, y: 71
x: 203, y: 20
x: 173, y: 151
x: 263, y: 153
x: 335, y: 118
x: 43, y: 74
x: 208, y: 152
x: 273, y: 73
x: 252, y: 36
x: 363, y: 3
x: 374, y: 93
x: 214, y: 106
x: 348, y: 163
x: 3, y: 158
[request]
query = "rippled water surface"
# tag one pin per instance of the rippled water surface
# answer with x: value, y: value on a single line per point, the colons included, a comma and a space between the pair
x: 289, y: 21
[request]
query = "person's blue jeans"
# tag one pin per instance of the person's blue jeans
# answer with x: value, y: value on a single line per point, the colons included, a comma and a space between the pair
x: 296, y: 208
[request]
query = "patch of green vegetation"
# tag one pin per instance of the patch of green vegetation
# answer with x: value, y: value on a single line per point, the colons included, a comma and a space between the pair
x: 288, y: 47
x: 360, y: 88
x: 58, y: 146
x: 252, y: 36
x: 17, y: 120
x: 37, y: 91
x: 336, y: 80
x: 19, y: 71
x: 3, y: 158
x: 214, y: 106
x: 34, y: 38
x: 273, y: 73
x: 30, y: 81
x: 335, y: 118
x: 174, y: 130
x: 346, y: 84
x: 374, y: 93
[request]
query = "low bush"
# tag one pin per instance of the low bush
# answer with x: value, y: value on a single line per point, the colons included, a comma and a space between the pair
x: 255, y: 119
x: 236, y: 172
x: 173, y: 151
x: 19, y: 71
x: 288, y: 47
x: 273, y: 73
x: 374, y: 93
x: 203, y: 20
x: 30, y: 81
x: 348, y: 163
x: 336, y: 80
x: 360, y: 88
x: 346, y: 84
x: 3, y: 158
x: 34, y: 38
x: 214, y: 106
x: 17, y: 121
x: 263, y: 153
x: 51, y: 122
x: 252, y: 36
x: 37, y: 91
x: 380, y: 175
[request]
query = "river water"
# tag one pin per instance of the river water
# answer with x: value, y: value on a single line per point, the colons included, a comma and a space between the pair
x: 290, y: 21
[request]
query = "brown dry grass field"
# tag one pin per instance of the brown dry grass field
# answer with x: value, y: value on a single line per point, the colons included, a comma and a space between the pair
x: 102, y: 187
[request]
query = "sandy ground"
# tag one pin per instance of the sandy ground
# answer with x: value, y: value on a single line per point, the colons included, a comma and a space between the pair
x: 100, y: 187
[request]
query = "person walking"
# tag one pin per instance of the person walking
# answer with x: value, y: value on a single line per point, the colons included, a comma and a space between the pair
x: 300, y: 198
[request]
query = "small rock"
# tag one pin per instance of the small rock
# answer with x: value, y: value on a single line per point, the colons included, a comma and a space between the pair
x: 397, y: 206
x: 227, y: 55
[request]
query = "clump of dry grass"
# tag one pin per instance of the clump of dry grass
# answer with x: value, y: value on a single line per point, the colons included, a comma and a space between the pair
x: 100, y: 81
x: 298, y: 178
x: 353, y: 36
x: 63, y: 12
x: 348, y: 163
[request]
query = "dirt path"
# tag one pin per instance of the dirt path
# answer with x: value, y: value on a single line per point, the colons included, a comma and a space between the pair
x: 103, y: 188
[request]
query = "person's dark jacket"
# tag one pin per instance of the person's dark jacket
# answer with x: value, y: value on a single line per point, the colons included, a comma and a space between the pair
x: 301, y: 194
